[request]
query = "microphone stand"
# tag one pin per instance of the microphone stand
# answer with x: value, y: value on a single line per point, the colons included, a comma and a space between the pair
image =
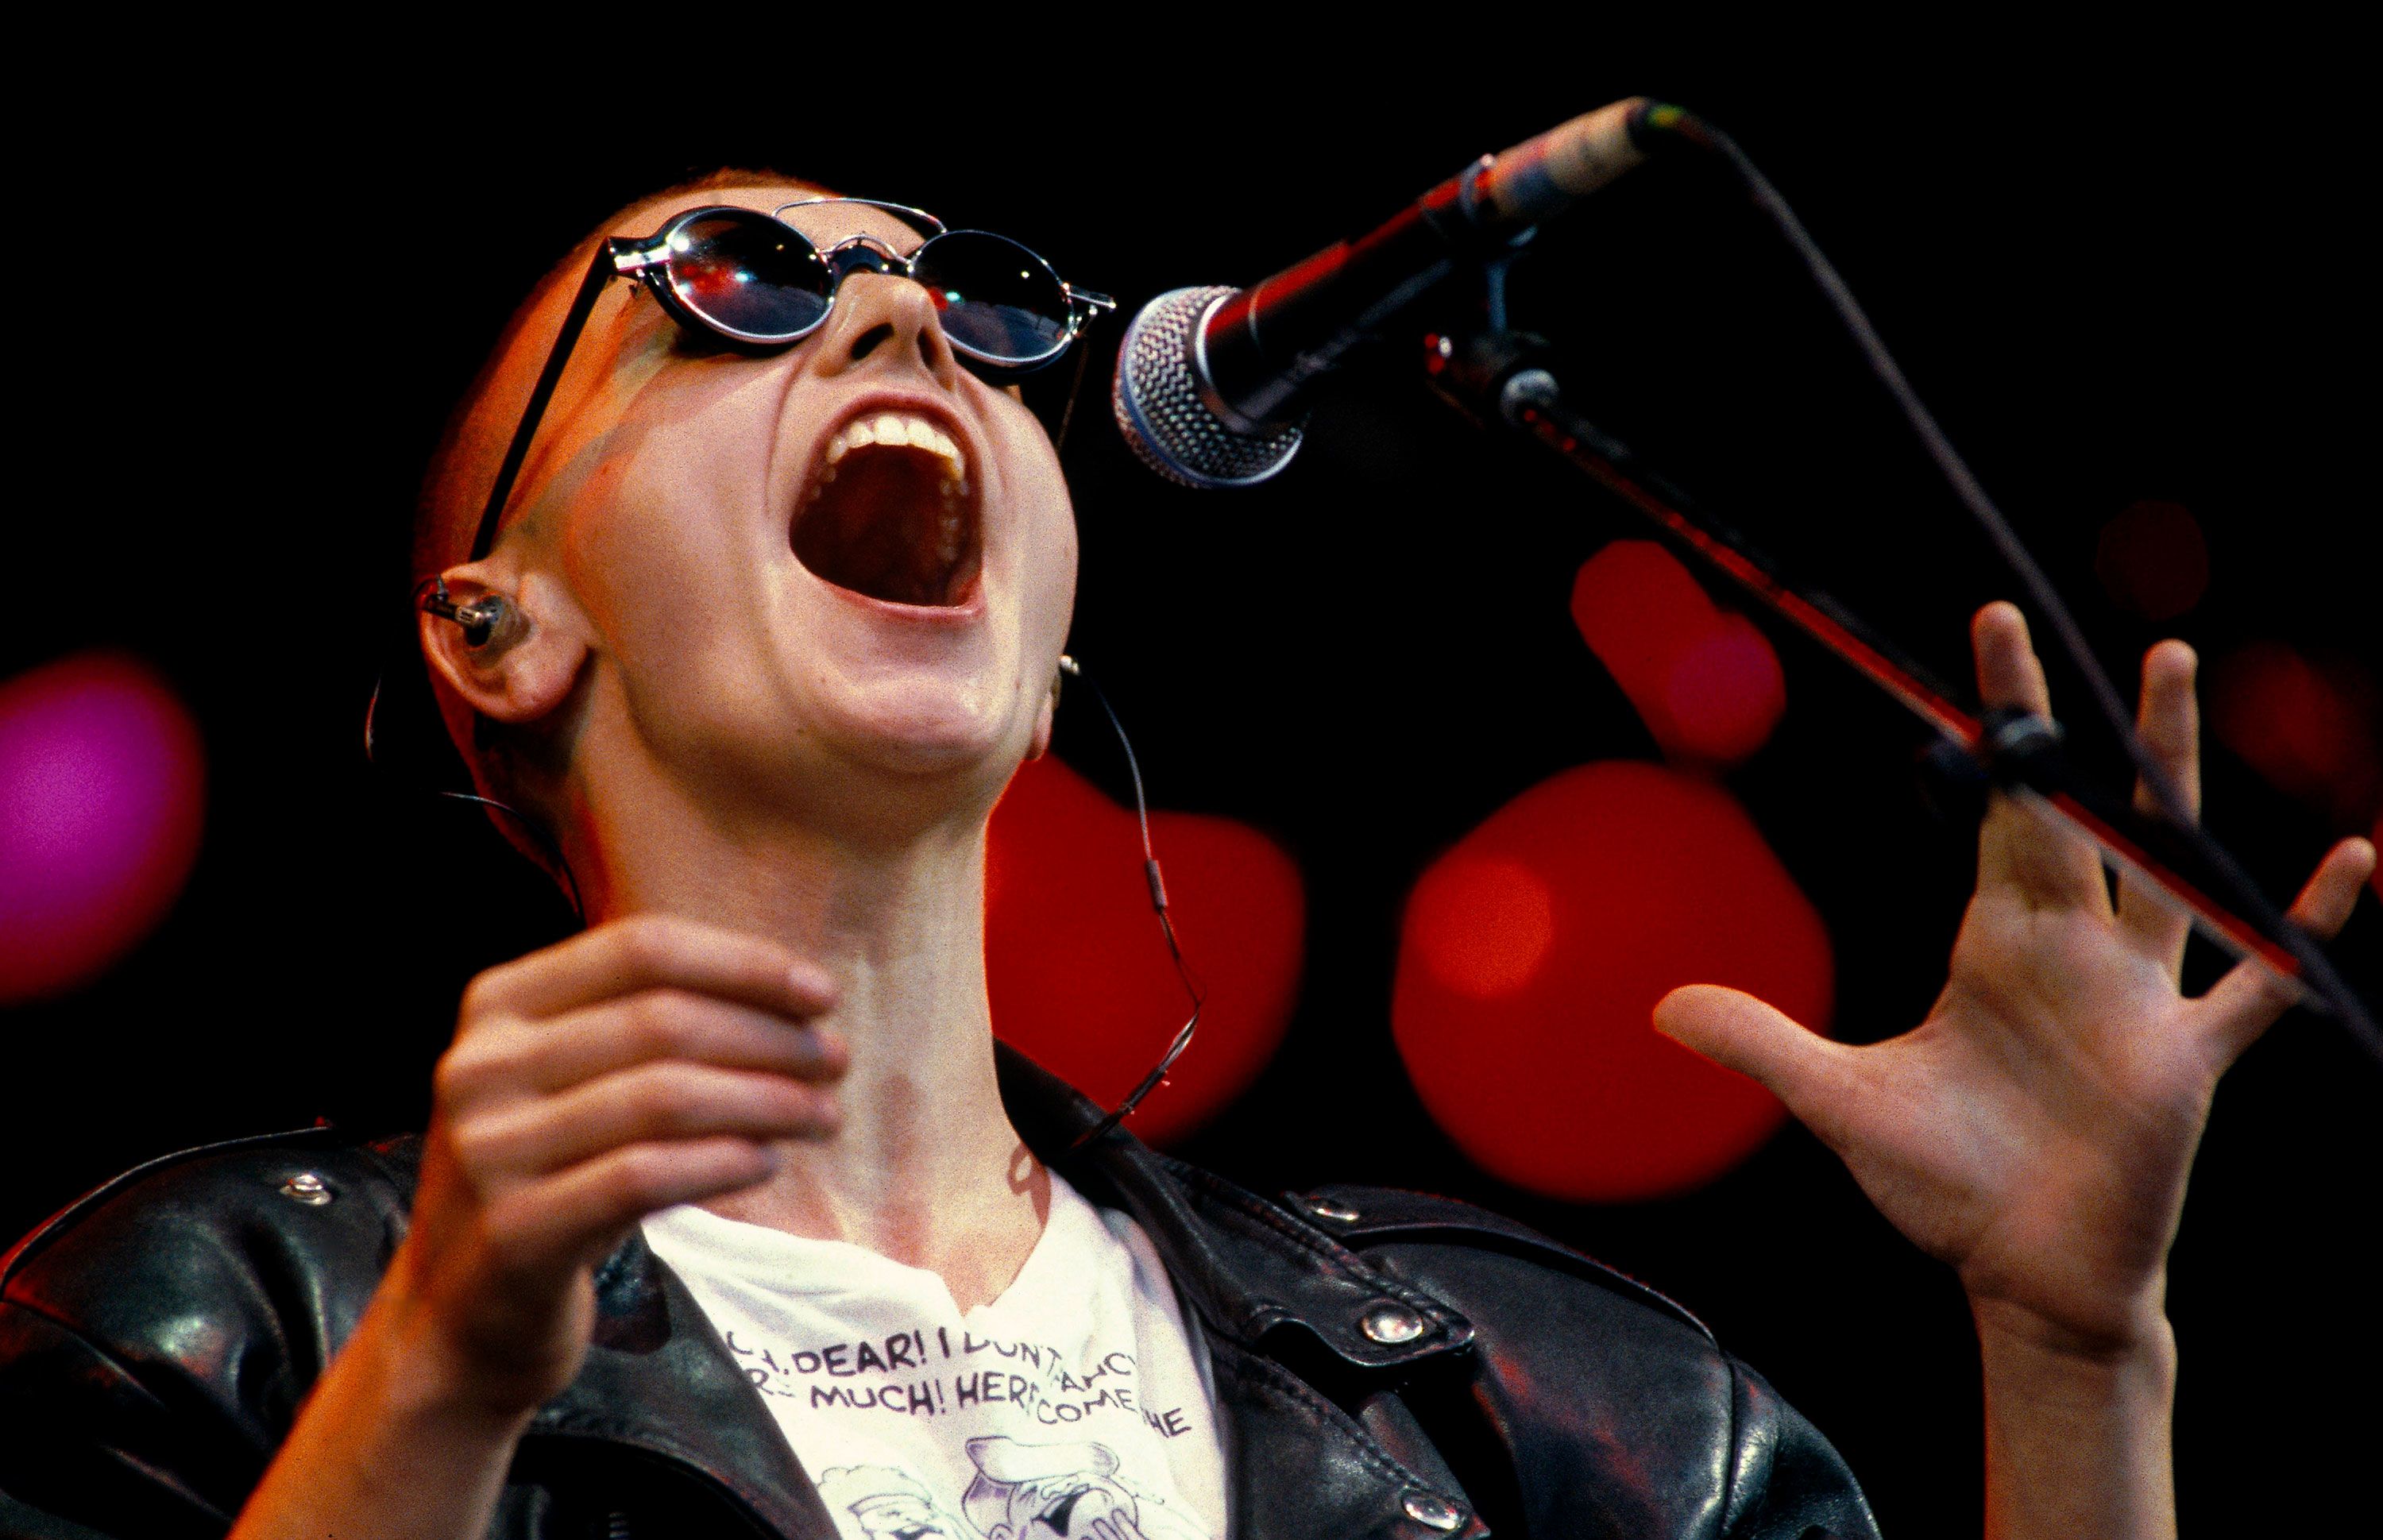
x: 1495, y: 375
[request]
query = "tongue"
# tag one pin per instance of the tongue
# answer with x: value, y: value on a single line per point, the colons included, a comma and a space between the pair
x: 877, y: 529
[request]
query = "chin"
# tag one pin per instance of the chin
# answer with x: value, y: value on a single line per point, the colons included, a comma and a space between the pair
x: 930, y: 728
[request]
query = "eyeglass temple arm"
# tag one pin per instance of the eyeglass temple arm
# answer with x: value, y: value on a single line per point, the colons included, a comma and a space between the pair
x: 601, y: 270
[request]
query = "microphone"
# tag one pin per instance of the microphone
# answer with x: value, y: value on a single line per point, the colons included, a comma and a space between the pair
x: 1212, y: 384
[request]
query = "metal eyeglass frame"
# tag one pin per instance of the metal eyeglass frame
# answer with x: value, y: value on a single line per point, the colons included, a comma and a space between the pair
x: 648, y: 261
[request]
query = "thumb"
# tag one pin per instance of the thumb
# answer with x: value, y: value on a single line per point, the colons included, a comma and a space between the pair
x: 1738, y: 1032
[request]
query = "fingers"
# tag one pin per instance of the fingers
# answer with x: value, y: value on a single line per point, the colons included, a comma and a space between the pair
x: 2008, y: 671
x: 2048, y: 863
x: 511, y: 1058
x: 2249, y: 999
x: 652, y: 1062
x: 646, y: 1063
x: 2169, y: 722
x: 655, y: 1102
x: 580, y: 1214
x: 652, y: 952
x: 521, y: 1100
x: 1738, y: 1032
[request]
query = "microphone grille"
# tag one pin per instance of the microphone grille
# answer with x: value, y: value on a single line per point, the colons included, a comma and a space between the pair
x: 1159, y: 411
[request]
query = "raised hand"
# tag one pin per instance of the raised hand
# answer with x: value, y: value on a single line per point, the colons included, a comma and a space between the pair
x: 2035, y: 1132
x: 650, y: 1062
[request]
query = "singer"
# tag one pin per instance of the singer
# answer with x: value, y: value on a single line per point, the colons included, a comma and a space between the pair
x: 732, y: 1219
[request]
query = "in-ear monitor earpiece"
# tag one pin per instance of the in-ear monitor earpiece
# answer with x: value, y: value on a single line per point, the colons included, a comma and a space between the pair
x: 481, y: 618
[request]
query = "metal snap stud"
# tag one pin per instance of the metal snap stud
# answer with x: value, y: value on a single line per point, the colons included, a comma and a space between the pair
x: 1432, y: 1510
x: 1391, y: 1324
x: 307, y: 1188
x: 1325, y: 1208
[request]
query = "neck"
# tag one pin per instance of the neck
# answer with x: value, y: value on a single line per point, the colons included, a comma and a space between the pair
x: 926, y: 1169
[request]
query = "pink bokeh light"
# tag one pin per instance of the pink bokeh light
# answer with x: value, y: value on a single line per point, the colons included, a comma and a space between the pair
x: 102, y: 796
x: 1702, y: 678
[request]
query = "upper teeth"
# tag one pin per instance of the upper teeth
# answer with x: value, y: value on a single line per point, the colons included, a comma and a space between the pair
x: 900, y: 427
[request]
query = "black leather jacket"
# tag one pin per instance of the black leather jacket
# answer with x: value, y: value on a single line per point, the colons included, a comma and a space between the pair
x: 1387, y: 1364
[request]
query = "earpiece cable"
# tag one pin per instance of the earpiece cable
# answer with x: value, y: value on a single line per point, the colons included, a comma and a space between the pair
x: 1158, y: 882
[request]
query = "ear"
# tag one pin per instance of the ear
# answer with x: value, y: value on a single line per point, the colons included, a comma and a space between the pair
x: 525, y: 669
x: 1041, y: 743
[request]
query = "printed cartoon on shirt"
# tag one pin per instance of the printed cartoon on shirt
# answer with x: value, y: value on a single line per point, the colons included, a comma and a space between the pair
x: 1034, y: 1491
x: 890, y: 1504
x: 1022, y: 1492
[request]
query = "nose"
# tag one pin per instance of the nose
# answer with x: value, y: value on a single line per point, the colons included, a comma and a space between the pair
x: 884, y: 321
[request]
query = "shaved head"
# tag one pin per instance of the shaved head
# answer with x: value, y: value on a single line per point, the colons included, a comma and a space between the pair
x: 455, y: 484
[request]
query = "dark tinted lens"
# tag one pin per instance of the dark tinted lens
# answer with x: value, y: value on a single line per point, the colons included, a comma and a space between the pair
x: 997, y: 298
x: 748, y: 273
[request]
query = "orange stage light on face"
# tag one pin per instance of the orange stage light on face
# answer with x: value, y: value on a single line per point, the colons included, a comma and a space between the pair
x: 1705, y: 681
x: 1531, y: 958
x: 101, y: 797
x: 1079, y: 975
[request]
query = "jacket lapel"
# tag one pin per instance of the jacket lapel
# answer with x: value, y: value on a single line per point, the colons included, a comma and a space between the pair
x: 1302, y: 1468
x: 658, y: 1377
x: 1299, y: 1467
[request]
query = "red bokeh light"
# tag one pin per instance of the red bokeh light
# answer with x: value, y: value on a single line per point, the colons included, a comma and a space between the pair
x: 1705, y: 681
x: 1079, y: 973
x: 1482, y: 924
x: 1532, y: 955
x: 2308, y: 726
x: 101, y: 802
x: 2152, y: 561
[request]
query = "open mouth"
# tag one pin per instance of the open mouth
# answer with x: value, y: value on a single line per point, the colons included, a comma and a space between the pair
x: 890, y: 512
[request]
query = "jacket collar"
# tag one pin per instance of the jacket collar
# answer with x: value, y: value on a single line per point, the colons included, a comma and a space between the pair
x: 658, y: 1378
x: 1248, y: 1267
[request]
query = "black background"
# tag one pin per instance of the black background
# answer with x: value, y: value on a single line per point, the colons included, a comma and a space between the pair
x: 2118, y: 270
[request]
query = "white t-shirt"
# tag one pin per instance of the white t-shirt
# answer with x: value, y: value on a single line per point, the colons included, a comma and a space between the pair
x: 1076, y: 1404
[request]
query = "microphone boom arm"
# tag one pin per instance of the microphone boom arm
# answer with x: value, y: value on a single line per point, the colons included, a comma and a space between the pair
x: 1502, y: 376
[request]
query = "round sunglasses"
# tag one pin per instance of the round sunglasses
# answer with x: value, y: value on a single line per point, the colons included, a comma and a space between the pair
x: 757, y: 285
